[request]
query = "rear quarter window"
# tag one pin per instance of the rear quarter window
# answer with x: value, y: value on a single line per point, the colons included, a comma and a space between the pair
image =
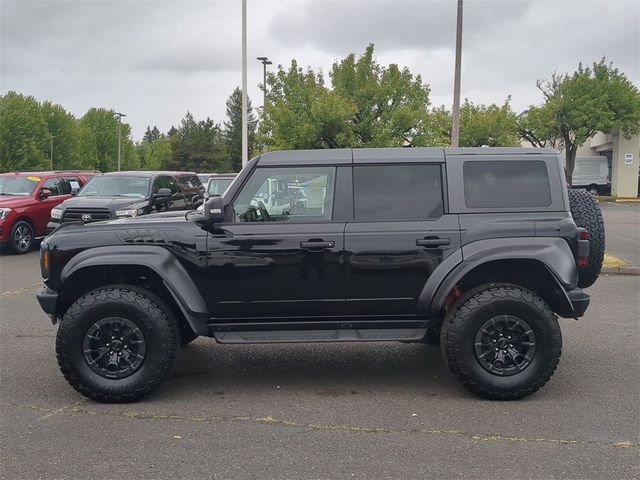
x: 506, y: 184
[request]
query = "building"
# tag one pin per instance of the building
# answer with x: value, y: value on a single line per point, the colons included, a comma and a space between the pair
x: 622, y: 154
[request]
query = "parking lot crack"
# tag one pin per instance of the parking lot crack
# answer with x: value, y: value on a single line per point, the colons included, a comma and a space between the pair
x: 338, y: 428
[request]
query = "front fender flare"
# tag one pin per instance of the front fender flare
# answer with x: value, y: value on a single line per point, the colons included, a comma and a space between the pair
x: 162, y: 262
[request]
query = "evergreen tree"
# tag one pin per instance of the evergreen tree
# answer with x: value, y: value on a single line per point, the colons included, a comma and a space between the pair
x: 233, y: 129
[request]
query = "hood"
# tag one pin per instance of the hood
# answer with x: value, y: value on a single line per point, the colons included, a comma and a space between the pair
x: 102, y: 202
x: 9, y: 201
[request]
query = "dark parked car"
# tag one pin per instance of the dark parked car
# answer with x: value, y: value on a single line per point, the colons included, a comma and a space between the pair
x: 479, y: 249
x: 26, y: 200
x: 130, y: 194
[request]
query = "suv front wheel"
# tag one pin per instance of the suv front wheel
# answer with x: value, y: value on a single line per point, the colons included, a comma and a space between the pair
x: 501, y: 342
x: 117, y: 343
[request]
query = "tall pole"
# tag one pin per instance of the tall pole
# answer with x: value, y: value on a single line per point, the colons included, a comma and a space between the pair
x: 52, y: 137
x: 245, y: 137
x: 119, y: 115
x: 455, y: 127
x: 265, y: 61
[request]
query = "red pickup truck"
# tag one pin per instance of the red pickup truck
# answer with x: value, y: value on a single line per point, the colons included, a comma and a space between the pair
x: 26, y: 200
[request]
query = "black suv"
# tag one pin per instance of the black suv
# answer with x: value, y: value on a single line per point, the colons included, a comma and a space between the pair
x: 130, y: 194
x: 474, y: 248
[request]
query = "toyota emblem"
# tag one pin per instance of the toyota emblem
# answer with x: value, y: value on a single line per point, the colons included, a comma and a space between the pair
x: 86, y: 217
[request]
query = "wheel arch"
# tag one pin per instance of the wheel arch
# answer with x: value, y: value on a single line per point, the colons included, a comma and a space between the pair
x: 543, y: 265
x: 150, y: 266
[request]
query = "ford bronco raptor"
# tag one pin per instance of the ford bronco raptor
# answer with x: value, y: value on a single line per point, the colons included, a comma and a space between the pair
x: 479, y: 249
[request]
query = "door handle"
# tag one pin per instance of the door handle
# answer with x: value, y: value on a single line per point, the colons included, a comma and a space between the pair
x: 316, y: 245
x: 432, y: 242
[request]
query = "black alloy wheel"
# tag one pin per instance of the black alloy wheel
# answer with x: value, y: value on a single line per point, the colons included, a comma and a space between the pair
x: 114, y: 347
x: 505, y: 345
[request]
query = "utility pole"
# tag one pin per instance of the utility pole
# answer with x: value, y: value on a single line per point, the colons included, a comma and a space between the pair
x: 119, y: 115
x: 455, y: 113
x: 245, y: 136
x: 265, y: 61
x: 52, y: 137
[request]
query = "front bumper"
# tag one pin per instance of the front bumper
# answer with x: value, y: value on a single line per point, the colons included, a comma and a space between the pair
x: 579, y: 300
x: 48, y: 300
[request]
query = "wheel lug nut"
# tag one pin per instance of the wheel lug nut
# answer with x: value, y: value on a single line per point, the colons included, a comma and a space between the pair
x: 511, y: 345
x: 497, y: 349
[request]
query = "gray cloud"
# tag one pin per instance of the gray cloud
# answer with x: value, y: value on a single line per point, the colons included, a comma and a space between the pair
x: 155, y: 60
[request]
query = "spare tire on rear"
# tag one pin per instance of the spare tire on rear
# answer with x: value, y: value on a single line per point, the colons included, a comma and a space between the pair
x: 586, y: 214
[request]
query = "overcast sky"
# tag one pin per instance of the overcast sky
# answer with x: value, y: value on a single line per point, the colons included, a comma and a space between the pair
x: 155, y: 59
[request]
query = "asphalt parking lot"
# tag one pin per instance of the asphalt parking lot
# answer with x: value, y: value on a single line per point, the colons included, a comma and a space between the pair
x: 386, y: 410
x: 622, y: 223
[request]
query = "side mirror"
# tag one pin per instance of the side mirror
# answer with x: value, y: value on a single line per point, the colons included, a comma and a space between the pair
x: 44, y: 193
x: 214, y: 210
x: 163, y: 193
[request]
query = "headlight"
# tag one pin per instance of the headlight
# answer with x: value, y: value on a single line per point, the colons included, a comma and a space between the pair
x: 131, y: 212
x: 4, y: 212
x: 56, y: 213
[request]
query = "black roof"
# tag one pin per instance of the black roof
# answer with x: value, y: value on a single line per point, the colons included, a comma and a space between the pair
x: 380, y: 155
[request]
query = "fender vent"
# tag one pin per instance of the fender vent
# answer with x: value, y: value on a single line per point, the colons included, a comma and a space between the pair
x: 145, y: 237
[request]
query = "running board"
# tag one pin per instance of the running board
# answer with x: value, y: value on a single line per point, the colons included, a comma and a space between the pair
x: 335, y: 335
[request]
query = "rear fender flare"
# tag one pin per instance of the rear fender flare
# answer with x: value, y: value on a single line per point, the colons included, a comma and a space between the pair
x: 553, y: 253
x: 162, y: 262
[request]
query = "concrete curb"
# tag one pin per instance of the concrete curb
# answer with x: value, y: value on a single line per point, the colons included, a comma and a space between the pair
x: 621, y: 270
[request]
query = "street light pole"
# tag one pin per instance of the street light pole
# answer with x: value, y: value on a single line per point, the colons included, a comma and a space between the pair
x: 455, y: 113
x: 245, y: 136
x: 119, y: 115
x: 265, y: 61
x: 52, y: 137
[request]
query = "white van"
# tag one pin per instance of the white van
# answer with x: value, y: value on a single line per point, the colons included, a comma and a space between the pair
x: 592, y: 174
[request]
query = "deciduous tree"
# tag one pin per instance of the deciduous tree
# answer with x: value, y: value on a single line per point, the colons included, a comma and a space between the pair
x: 592, y: 99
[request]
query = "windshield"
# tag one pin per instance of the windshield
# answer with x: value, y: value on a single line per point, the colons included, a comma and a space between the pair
x: 116, y: 186
x: 217, y: 186
x: 18, y: 186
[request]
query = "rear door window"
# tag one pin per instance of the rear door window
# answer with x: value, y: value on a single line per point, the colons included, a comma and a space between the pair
x: 506, y: 184
x: 397, y: 192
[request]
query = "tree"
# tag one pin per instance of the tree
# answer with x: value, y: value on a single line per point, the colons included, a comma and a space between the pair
x: 302, y: 113
x: 103, y: 127
x: 152, y: 134
x: 369, y: 105
x: 233, y: 129
x: 592, y: 99
x: 198, y: 146
x: 154, y: 154
x: 391, y: 104
x: 66, y: 132
x: 24, y: 137
x: 491, y: 126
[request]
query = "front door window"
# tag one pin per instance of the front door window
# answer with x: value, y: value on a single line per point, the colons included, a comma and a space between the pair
x: 299, y: 194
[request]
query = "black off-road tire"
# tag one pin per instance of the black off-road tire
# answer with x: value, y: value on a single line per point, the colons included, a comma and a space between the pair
x: 21, y: 238
x: 586, y: 214
x: 458, y: 337
x: 148, y: 312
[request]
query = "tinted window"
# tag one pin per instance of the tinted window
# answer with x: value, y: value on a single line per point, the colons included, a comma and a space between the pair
x: 116, y: 186
x: 299, y: 194
x: 52, y: 184
x: 398, y: 192
x: 173, y: 184
x: 159, y: 183
x: 189, y: 181
x: 217, y: 186
x: 506, y: 184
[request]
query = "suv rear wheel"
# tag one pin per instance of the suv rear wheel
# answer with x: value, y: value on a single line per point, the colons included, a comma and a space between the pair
x: 117, y: 343
x: 501, y: 342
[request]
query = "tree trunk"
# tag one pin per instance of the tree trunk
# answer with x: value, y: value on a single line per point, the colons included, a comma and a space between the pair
x: 570, y: 159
